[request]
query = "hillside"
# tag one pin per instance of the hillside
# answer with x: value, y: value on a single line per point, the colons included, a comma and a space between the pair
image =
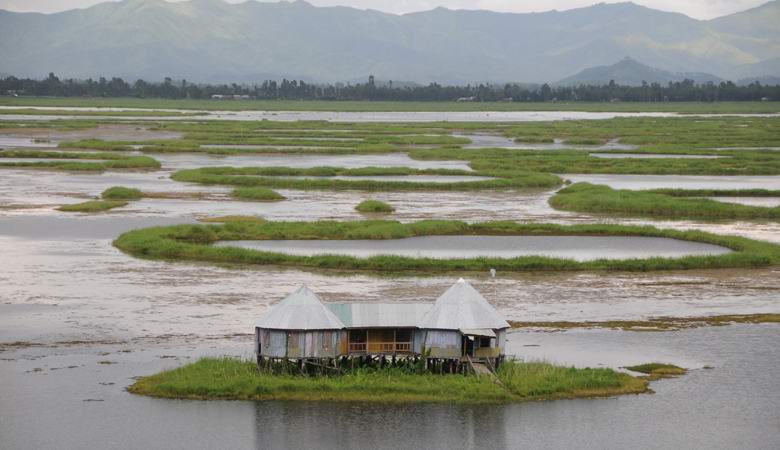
x: 208, y: 40
x: 629, y: 72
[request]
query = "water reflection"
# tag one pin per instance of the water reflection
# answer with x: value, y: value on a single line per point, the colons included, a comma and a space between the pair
x: 579, y: 248
x: 337, y: 425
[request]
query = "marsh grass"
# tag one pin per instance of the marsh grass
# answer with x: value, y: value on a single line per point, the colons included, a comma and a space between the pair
x: 191, y: 242
x: 76, y: 161
x: 93, y: 206
x: 122, y: 193
x: 257, y: 194
x: 586, y: 197
x: 231, y: 378
x: 233, y: 218
x: 374, y: 206
x: 655, y: 371
x: 280, y: 177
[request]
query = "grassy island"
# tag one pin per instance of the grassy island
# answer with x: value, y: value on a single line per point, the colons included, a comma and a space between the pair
x: 93, y: 206
x: 229, y: 378
x: 192, y: 243
x: 257, y: 194
x: 586, y: 197
x: 374, y: 206
x: 76, y: 161
x: 324, y: 178
x: 656, y: 371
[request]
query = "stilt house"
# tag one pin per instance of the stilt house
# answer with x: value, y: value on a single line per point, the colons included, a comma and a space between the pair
x: 460, y: 326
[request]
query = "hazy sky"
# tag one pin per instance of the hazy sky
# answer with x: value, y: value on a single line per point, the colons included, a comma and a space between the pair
x: 701, y: 9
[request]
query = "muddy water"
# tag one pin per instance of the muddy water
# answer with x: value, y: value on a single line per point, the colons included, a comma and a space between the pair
x: 194, y: 160
x: 767, y: 202
x: 25, y: 137
x: 486, y: 140
x: 579, y: 248
x: 291, y: 116
x: 678, y: 181
x: 733, y: 405
x: 401, y: 178
x: 652, y: 156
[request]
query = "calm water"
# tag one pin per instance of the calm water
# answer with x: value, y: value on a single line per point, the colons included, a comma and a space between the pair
x: 652, y: 156
x: 580, y: 248
x: 678, y: 181
x: 768, y: 202
x: 402, y: 178
x: 73, y: 402
x: 194, y: 160
x: 484, y: 140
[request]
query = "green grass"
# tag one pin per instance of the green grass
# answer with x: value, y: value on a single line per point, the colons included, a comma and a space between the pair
x: 294, y: 105
x: 122, y: 193
x: 230, y: 378
x: 90, y: 162
x: 93, y: 206
x: 233, y: 218
x: 585, y: 197
x: 191, y: 242
x: 658, y: 370
x: 280, y: 178
x: 257, y: 194
x: 374, y: 206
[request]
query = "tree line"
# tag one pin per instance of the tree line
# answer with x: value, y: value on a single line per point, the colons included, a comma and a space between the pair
x: 686, y: 90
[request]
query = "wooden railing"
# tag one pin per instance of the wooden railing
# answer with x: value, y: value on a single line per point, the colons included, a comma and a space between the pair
x: 380, y: 347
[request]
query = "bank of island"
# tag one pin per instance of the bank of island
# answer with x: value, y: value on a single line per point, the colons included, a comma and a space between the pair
x: 452, y: 350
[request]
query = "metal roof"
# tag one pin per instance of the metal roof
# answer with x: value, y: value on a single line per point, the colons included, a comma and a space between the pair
x: 377, y: 315
x: 462, y: 307
x: 301, y: 310
x: 481, y: 332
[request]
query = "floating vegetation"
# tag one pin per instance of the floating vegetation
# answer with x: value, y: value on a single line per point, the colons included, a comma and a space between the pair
x: 93, y: 206
x: 374, y: 206
x: 586, y: 197
x: 192, y: 242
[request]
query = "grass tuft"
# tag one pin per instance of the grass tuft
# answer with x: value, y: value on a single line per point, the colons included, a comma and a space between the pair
x: 257, y: 194
x: 374, y: 206
x: 122, y: 193
x: 93, y: 206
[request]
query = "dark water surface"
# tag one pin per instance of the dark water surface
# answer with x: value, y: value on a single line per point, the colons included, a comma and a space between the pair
x: 70, y: 403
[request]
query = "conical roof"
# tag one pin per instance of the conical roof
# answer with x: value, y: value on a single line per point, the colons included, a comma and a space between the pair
x: 462, y: 307
x: 301, y: 310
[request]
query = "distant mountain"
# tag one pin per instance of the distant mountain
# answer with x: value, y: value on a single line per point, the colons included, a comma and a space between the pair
x: 208, y: 40
x: 629, y: 72
x: 766, y: 81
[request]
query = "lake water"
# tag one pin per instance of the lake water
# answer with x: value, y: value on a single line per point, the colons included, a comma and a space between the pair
x: 485, y: 140
x: 195, y: 160
x: 767, y: 202
x: 580, y: 248
x: 640, y: 182
x: 401, y: 178
x: 73, y: 402
x: 331, y: 116
x: 652, y: 156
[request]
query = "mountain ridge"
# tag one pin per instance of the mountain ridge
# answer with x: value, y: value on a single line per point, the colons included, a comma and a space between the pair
x: 209, y: 40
